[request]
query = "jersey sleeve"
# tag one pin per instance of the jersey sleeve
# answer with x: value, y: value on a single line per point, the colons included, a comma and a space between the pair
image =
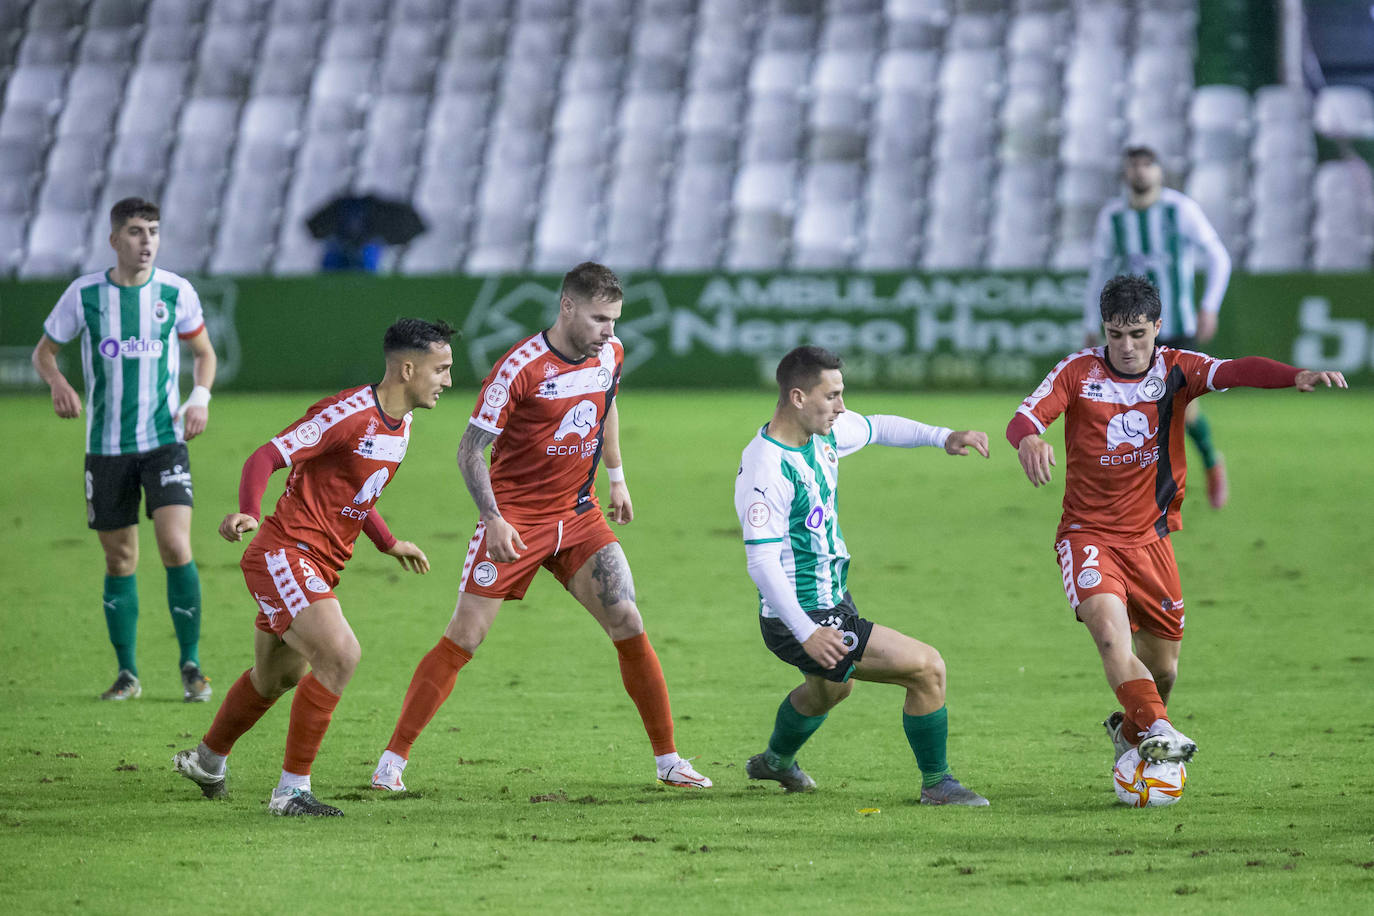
x: 311, y: 435
x: 500, y: 393
x: 1193, y: 223
x: 1052, y: 396
x: 65, y: 320
x: 762, y: 497
x: 1200, y: 370
x: 852, y: 431
x: 190, y: 315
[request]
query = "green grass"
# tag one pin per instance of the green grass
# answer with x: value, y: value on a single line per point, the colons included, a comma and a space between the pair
x: 1275, y: 686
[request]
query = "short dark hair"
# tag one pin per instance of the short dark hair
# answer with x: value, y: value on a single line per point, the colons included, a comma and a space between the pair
x: 590, y: 281
x: 1127, y: 298
x: 1141, y: 152
x: 802, y: 368
x: 133, y: 208
x: 416, y: 334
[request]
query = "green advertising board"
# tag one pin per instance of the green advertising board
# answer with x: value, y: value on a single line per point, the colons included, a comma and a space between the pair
x: 904, y: 331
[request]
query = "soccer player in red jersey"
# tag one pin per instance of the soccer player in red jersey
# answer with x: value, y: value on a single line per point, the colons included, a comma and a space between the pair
x: 1124, y: 407
x: 342, y: 453
x: 548, y: 412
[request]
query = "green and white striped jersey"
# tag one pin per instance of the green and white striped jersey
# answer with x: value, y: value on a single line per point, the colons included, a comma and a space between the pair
x: 1159, y: 242
x: 788, y: 496
x: 130, y: 357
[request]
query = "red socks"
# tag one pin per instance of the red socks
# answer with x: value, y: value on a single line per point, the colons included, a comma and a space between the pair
x: 1141, y: 702
x: 311, y: 710
x: 643, y: 679
x: 429, y: 688
x: 243, y: 706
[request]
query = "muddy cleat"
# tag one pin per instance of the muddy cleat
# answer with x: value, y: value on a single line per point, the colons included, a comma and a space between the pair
x: 1164, y: 743
x: 125, y: 687
x: 1113, y: 726
x: 299, y: 803
x: 388, y: 776
x: 188, y: 764
x: 949, y: 791
x: 1218, y: 488
x: 681, y: 775
x: 194, y: 684
x: 793, y: 779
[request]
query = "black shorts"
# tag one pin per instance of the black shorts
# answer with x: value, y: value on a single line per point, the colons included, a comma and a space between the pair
x: 113, y: 483
x: 843, y: 617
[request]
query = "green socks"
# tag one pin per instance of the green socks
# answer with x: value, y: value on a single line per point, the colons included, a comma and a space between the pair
x: 927, y: 736
x: 1200, y: 431
x: 183, y: 599
x: 790, y: 731
x: 121, y: 619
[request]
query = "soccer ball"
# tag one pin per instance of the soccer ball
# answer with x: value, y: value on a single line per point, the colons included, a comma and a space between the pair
x: 1142, y: 784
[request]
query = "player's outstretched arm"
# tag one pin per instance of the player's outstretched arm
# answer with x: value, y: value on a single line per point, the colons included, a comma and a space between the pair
x: 503, y: 541
x: 411, y: 556
x: 1309, y: 379
x: 66, y: 403
x: 961, y: 440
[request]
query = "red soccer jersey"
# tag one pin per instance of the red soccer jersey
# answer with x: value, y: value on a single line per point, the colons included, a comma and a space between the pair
x: 548, y: 413
x: 341, y: 454
x: 1124, y: 440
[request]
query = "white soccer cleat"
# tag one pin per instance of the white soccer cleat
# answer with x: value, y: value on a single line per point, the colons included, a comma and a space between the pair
x: 1164, y: 743
x: 388, y: 776
x: 212, y: 785
x: 682, y: 776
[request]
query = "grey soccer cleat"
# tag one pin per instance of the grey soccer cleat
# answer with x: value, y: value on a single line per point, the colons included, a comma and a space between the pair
x: 793, y: 779
x: 194, y: 684
x: 125, y: 687
x: 212, y: 785
x: 1113, y: 726
x: 949, y: 791
x: 1164, y: 743
x: 299, y: 803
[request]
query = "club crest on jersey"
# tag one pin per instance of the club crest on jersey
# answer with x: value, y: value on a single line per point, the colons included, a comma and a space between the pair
x: 160, y: 312
x: 829, y: 454
x: 1152, y: 388
x: 1129, y: 428
x: 578, y: 421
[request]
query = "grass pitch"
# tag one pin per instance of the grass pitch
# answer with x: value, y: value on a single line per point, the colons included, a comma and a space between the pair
x: 533, y: 788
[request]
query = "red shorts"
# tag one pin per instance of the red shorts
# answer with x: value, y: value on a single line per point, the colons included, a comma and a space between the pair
x: 560, y: 545
x: 284, y: 581
x: 1145, y: 578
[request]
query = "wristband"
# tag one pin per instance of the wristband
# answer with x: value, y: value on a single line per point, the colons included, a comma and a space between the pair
x: 616, y: 475
x: 199, y: 397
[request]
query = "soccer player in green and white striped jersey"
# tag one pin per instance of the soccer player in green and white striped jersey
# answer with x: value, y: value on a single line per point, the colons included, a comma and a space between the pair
x: 130, y: 321
x: 1155, y: 232
x: 785, y: 496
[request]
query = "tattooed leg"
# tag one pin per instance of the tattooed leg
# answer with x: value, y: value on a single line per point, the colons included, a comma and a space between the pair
x: 606, y: 588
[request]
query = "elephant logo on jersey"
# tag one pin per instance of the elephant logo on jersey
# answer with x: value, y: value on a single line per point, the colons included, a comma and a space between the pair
x: 1130, y: 427
x: 373, y: 487
x: 577, y: 421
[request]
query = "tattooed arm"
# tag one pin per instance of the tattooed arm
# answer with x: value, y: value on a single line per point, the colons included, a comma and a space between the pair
x: 503, y: 541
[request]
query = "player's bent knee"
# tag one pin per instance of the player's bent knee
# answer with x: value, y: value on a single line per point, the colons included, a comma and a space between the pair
x: 928, y: 667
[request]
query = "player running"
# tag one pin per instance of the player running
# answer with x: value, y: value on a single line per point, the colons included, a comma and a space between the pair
x: 785, y: 496
x: 548, y: 411
x: 1155, y: 232
x: 342, y: 453
x: 137, y: 428
x: 1124, y: 406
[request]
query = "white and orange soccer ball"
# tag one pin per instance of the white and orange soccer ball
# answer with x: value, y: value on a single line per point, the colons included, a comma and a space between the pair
x: 1142, y: 784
